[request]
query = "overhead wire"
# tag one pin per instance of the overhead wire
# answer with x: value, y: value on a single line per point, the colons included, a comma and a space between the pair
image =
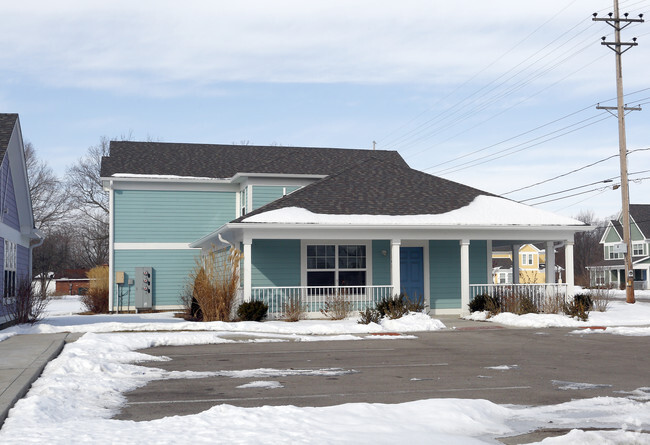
x: 418, y: 129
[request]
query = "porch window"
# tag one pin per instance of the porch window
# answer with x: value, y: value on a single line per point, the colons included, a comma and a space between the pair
x: 9, y: 269
x: 332, y: 265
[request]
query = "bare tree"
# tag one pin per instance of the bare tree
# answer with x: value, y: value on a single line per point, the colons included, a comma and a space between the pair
x: 52, y: 257
x: 587, y: 248
x: 50, y: 198
x: 85, y: 182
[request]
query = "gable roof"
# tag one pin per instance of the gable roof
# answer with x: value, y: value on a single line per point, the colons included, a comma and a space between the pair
x: 377, y: 187
x: 7, y: 124
x: 225, y: 161
x: 641, y: 215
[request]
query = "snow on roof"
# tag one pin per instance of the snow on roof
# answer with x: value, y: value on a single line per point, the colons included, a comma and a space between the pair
x: 135, y: 175
x: 482, y: 211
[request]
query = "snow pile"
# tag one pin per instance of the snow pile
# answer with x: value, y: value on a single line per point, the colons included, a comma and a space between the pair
x: 482, y: 211
x: 618, y: 314
x: 413, y: 322
x: 59, y: 318
x: 81, y: 390
x: 6, y: 335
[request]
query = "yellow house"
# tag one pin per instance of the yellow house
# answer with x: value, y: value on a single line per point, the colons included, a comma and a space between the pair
x: 532, y: 262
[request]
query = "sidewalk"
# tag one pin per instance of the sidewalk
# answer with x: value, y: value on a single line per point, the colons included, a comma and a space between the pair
x: 22, y: 359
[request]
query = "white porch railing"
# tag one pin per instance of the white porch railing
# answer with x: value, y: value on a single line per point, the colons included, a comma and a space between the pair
x: 313, y: 298
x: 543, y: 296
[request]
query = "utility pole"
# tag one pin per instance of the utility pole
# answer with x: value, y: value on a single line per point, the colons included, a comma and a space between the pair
x: 618, y: 23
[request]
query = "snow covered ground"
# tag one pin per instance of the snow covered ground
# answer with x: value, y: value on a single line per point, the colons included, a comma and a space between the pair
x: 618, y: 318
x: 81, y: 390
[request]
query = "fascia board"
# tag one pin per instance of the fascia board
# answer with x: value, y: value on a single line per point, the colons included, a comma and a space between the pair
x: 299, y: 231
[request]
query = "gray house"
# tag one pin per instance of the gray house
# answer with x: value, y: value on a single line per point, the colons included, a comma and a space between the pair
x: 17, y: 232
x: 311, y: 222
x: 610, y: 271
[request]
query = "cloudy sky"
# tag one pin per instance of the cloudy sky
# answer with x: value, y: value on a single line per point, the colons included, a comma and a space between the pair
x: 499, y: 95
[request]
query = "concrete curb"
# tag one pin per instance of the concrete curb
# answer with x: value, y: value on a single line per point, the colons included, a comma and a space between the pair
x: 23, y: 359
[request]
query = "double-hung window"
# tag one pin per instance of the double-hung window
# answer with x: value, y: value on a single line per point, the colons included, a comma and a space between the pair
x: 336, y: 265
x: 9, y: 269
x: 638, y: 249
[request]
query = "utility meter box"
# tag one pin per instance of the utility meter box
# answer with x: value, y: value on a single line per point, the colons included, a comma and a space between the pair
x: 143, y: 287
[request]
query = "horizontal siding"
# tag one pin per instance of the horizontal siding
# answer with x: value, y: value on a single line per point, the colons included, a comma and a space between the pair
x: 444, y: 273
x: 263, y: 194
x: 275, y: 263
x: 171, y: 269
x: 380, y: 263
x: 478, y: 266
x: 170, y: 216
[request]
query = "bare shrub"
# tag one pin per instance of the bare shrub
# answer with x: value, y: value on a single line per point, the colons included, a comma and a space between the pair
x: 553, y: 304
x: 215, y: 281
x: 294, y: 309
x: 26, y: 306
x: 601, y: 297
x: 369, y: 315
x: 96, y: 299
x: 337, y: 306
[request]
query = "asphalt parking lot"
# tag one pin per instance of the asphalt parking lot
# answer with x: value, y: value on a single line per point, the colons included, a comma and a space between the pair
x: 511, y: 366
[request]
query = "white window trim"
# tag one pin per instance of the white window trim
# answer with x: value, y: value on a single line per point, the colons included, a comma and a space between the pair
x: 642, y: 245
x: 303, y: 257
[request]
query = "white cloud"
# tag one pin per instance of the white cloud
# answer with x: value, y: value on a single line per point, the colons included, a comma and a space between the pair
x: 112, y: 45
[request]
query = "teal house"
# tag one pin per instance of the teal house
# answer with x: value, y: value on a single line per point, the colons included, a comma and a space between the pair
x: 311, y: 223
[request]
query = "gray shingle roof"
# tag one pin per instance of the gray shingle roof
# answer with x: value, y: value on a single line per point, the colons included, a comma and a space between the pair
x: 7, y: 123
x: 378, y: 187
x: 224, y: 161
x: 503, y: 263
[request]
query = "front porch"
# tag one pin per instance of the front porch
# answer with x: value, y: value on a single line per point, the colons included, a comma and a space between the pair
x: 314, y: 299
x: 446, y: 274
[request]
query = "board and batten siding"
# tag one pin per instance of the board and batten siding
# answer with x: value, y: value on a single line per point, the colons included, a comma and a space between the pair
x: 9, y: 211
x: 275, y: 263
x: 164, y: 216
x: 264, y: 194
x: 22, y: 264
x: 171, y: 269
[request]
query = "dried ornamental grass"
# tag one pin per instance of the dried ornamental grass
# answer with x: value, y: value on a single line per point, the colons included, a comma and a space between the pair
x: 215, y: 281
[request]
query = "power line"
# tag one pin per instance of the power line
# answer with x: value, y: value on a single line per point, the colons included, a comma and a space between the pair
x: 507, y: 152
x: 574, y: 171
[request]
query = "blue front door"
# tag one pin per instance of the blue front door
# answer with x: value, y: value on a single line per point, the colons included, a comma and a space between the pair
x: 411, y: 270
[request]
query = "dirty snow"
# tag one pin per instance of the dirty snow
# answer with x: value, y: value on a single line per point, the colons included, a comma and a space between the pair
x: 576, y: 386
x: 262, y: 384
x: 83, y: 388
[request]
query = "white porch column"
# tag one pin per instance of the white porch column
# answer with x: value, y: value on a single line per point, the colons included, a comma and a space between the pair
x: 247, y: 269
x: 464, y: 277
x: 568, y: 259
x: 550, y: 262
x: 395, y: 278
x: 515, y: 263
x: 490, y: 277
x: 112, y: 295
